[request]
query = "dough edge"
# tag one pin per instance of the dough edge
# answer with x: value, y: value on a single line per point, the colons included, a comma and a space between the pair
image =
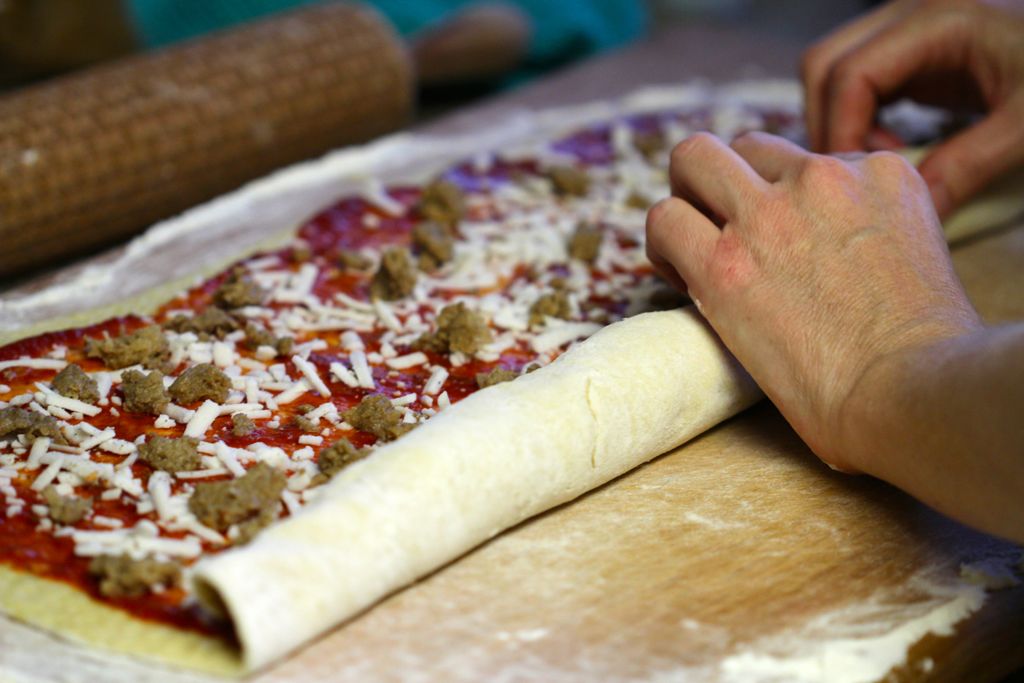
x: 72, y: 615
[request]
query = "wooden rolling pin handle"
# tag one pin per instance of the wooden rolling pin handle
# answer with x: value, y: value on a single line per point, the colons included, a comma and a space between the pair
x: 94, y: 157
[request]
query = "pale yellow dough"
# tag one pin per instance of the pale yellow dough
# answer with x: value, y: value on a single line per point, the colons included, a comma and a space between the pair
x: 60, y: 608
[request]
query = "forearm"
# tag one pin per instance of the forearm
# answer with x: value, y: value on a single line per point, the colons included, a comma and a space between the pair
x: 946, y: 424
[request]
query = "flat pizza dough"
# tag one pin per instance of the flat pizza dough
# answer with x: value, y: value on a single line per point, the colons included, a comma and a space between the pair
x: 59, y: 608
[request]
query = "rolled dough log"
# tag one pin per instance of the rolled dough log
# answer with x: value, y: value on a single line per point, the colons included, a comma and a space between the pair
x: 633, y: 391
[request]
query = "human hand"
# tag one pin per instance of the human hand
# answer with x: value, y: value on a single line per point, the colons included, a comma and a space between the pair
x: 810, y: 268
x: 958, y: 54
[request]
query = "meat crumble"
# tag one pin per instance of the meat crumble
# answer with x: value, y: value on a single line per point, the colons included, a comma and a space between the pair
x: 65, y: 509
x: 249, y: 501
x: 396, y: 276
x: 201, y: 382
x: 459, y: 329
x: 74, y: 383
x: 375, y: 415
x: 554, y: 304
x: 213, y: 321
x: 120, y: 576
x: 144, y: 393
x: 338, y: 456
x: 147, y: 347
x: 171, y: 454
x: 442, y: 201
x: 585, y: 243
x: 495, y: 376
x: 434, y: 244
x: 15, y: 421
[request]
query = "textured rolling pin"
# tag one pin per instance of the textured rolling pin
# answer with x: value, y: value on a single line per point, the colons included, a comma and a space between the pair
x: 89, y: 159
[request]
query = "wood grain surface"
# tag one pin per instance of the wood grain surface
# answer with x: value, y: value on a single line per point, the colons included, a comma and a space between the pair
x: 739, y: 537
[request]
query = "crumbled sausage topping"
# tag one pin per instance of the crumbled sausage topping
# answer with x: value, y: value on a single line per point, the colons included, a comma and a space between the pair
x: 569, y: 180
x: 459, y: 329
x: 442, y: 201
x: 252, y: 499
x: 144, y: 393
x: 201, y: 382
x: 585, y: 243
x: 301, y: 253
x: 338, y: 456
x: 74, y: 383
x: 238, y: 291
x: 147, y: 347
x: 637, y: 200
x: 434, y: 244
x: 242, y: 425
x: 171, y: 454
x: 396, y: 277
x: 376, y: 415
x: 495, y: 376
x: 554, y: 304
x: 649, y: 143
x: 256, y: 336
x: 120, y: 576
x: 65, y: 509
x: 353, y: 260
x: 14, y: 421
x: 306, y: 425
x: 213, y: 321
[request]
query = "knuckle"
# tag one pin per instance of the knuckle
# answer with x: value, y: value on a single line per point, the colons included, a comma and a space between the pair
x: 889, y: 163
x: 893, y: 173
x: 749, y: 138
x: 658, y: 213
x: 824, y: 169
x: 691, y: 146
x: 730, y: 268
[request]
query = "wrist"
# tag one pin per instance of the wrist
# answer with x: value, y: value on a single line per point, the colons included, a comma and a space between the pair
x: 873, y: 414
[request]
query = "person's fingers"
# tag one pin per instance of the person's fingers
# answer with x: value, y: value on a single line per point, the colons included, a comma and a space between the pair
x: 959, y: 168
x: 680, y: 240
x: 773, y: 158
x: 819, y: 59
x: 709, y: 174
x: 865, y: 76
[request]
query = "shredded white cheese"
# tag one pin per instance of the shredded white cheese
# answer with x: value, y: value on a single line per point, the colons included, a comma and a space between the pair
x: 308, y: 370
x: 202, y: 420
